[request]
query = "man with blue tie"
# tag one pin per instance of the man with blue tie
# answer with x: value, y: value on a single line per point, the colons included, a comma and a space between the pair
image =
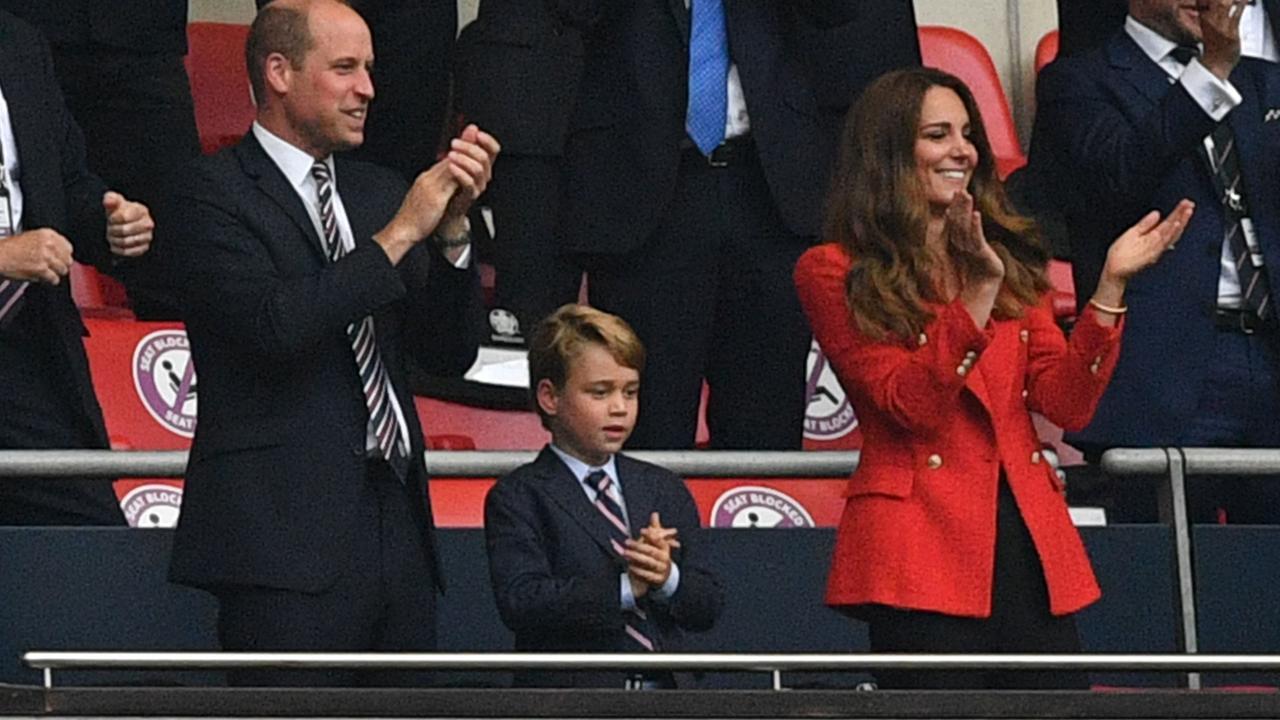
x: 308, y: 281
x: 695, y: 169
x: 1167, y: 109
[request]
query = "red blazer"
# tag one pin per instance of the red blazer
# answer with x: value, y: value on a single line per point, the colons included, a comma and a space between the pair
x: 940, y: 417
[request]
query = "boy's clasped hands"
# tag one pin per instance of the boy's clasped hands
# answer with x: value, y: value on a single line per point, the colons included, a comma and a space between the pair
x: 649, y: 557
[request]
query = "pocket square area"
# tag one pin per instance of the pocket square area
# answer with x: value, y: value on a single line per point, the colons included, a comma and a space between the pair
x: 1272, y: 115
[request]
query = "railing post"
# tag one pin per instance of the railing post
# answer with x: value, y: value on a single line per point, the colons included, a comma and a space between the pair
x: 1183, y: 556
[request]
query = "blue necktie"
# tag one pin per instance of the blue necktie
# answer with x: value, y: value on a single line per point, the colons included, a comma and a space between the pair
x: 708, y: 75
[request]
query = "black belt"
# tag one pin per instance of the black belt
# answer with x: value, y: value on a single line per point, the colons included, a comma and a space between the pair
x: 1241, y: 321
x: 730, y: 152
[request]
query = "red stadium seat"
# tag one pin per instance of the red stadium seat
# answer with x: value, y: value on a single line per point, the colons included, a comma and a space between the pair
x: 219, y: 83
x: 1064, y: 291
x: 97, y: 294
x: 1046, y: 50
x: 962, y: 55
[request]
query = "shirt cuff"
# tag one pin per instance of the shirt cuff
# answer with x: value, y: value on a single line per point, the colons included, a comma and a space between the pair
x: 1216, y: 97
x: 464, y: 260
x: 628, y: 597
x: 669, y: 587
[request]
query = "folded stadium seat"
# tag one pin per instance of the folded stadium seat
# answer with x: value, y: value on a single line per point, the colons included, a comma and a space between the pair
x: 1064, y: 292
x: 1046, y: 50
x: 98, y: 295
x: 962, y: 55
x: 219, y: 82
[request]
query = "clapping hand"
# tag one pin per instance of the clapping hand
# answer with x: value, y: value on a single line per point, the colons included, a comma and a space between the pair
x: 1141, y: 246
x: 649, y: 558
x: 975, y: 259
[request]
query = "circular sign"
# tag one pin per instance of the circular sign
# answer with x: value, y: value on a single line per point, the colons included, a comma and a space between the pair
x: 751, y: 506
x: 829, y: 414
x: 165, y: 380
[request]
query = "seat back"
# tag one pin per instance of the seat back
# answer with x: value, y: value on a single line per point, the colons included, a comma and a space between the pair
x: 219, y: 83
x: 962, y: 55
x: 1046, y: 50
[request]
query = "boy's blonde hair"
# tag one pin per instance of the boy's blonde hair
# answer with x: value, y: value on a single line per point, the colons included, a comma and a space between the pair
x: 560, y: 337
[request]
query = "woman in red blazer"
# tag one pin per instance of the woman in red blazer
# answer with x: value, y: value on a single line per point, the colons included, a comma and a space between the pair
x: 931, y: 305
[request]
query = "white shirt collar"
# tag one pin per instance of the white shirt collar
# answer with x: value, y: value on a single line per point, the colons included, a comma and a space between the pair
x: 581, y: 470
x: 294, y: 162
x: 1156, y: 46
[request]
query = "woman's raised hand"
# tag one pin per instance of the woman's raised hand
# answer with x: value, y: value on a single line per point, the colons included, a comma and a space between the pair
x: 1141, y: 246
x: 973, y: 255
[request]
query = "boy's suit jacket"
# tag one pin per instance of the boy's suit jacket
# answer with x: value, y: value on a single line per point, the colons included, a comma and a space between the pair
x: 556, y: 578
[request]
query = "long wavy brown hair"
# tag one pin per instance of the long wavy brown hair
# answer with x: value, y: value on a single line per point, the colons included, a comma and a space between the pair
x: 878, y: 211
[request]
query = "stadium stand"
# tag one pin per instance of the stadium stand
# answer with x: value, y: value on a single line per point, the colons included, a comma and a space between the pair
x: 219, y: 82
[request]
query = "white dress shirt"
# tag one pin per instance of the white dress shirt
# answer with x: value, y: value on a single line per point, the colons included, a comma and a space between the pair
x: 10, y: 173
x: 1256, y: 38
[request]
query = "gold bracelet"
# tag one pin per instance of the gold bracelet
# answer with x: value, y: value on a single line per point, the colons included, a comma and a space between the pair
x: 1108, y: 309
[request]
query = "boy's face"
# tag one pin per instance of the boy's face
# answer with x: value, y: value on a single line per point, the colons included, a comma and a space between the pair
x: 593, y: 414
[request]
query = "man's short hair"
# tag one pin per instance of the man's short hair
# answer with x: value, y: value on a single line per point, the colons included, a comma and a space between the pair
x: 278, y: 28
x: 561, y: 336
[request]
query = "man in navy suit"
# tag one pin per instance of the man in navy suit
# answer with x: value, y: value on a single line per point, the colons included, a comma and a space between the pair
x: 1168, y: 109
x: 695, y: 171
x: 308, y: 282
x: 590, y: 550
x: 51, y: 206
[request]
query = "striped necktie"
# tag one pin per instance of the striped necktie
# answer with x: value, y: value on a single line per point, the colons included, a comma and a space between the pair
x: 1225, y: 161
x: 11, y: 291
x: 708, y: 75
x: 374, y: 380
x: 635, y: 622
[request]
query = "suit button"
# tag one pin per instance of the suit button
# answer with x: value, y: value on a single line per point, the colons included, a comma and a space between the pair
x: 971, y: 356
x: 1023, y: 335
x: 962, y: 370
x: 1035, y: 457
x: 922, y: 340
x: 357, y: 451
x: 934, y: 461
x: 1024, y: 393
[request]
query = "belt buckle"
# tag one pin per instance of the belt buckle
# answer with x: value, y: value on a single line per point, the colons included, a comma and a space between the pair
x: 719, y: 156
x: 1246, y: 326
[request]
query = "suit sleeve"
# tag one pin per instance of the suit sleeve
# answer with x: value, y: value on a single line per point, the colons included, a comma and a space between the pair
x: 444, y: 310
x: 1066, y: 379
x: 233, y: 288
x: 1125, y: 160
x: 87, y: 224
x: 699, y: 599
x: 530, y: 597
x: 911, y: 385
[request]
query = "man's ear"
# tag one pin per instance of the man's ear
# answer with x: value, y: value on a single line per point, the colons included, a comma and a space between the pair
x: 277, y: 71
x: 548, y: 397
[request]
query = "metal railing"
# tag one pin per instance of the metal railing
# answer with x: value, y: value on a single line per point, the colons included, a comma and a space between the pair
x: 1178, y: 463
x: 773, y: 663
x: 441, y: 463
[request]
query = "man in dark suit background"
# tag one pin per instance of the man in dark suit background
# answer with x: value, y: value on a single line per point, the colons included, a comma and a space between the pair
x: 120, y: 68
x: 691, y: 235
x: 517, y: 72
x: 51, y: 207
x: 1148, y: 122
x: 1086, y: 24
x: 309, y: 282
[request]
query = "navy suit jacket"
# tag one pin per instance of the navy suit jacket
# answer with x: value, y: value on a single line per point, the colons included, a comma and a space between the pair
x: 1123, y: 140
x: 275, y: 480
x: 801, y: 63
x: 556, y: 577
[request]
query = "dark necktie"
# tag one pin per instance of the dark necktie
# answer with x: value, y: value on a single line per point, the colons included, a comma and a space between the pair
x: 1225, y: 163
x: 374, y: 380
x: 708, y: 75
x: 1184, y: 53
x: 635, y: 622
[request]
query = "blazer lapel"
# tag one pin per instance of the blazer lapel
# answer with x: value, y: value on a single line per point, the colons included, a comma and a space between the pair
x: 565, y: 490
x: 273, y: 184
x: 637, y: 492
x: 680, y: 11
x: 1137, y: 69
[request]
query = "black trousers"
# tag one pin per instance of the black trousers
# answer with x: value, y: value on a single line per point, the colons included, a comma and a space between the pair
x: 711, y: 296
x: 386, y: 602
x: 1020, y: 622
x: 531, y: 276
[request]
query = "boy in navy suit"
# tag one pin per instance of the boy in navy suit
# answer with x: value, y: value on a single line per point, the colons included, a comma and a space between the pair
x: 590, y: 550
